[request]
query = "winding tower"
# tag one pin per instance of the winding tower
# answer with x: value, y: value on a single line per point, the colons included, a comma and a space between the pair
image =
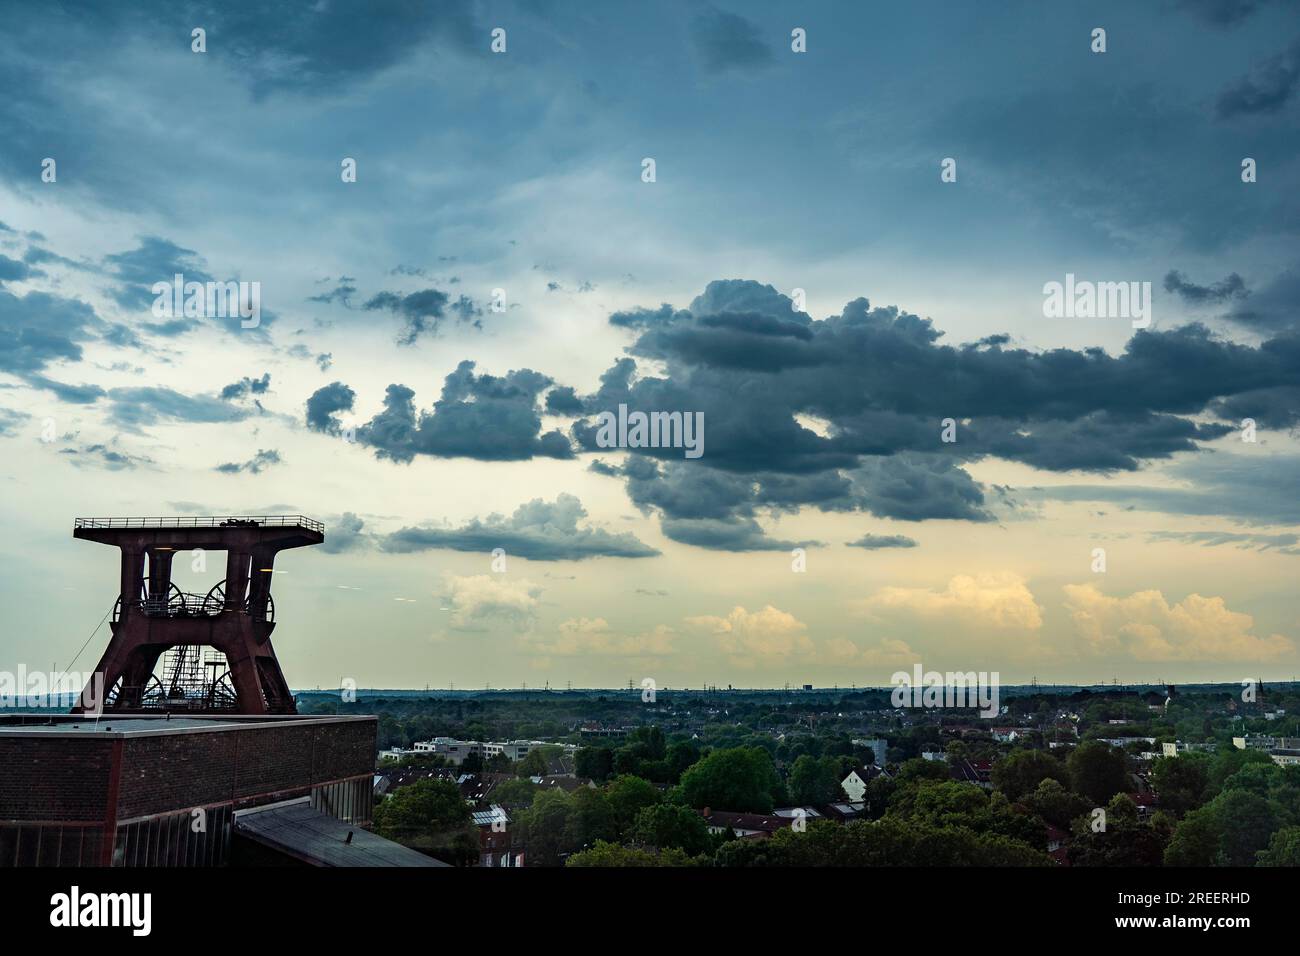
x: 173, y: 651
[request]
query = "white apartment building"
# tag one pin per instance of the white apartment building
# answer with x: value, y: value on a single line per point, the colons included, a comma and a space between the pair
x: 1285, y: 758
x: 455, y: 751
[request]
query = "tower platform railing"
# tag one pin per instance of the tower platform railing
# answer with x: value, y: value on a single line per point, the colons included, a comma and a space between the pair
x: 225, y: 521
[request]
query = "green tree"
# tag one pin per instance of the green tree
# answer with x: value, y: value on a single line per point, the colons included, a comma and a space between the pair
x: 1098, y: 771
x: 628, y: 796
x: 1196, y: 839
x: 1283, y: 849
x: 1056, y: 805
x: 1020, y: 773
x: 652, y: 739
x: 544, y: 828
x: 533, y: 764
x: 591, y: 819
x: 681, y: 756
x: 1124, y: 842
x: 1227, y: 761
x: 741, y: 779
x: 919, y: 768
x: 1247, y: 821
x: 432, y: 817
x: 594, y: 763
x: 1230, y: 830
x: 1181, y: 782
x: 815, y: 780
x: 611, y: 854
x: 666, y: 826
x: 890, y: 842
x: 473, y: 763
x: 515, y: 793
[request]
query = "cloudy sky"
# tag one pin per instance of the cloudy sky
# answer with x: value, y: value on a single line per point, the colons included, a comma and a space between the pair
x: 427, y: 419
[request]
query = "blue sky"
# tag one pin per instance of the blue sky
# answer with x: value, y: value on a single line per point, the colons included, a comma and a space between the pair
x: 775, y: 171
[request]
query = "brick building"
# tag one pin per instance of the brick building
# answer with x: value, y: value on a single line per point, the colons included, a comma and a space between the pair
x: 156, y: 791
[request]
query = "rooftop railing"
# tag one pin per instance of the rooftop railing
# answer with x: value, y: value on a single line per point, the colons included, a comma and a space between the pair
x: 228, y: 521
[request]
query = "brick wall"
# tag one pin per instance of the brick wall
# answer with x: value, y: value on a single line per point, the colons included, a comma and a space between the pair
x: 54, y: 778
x: 258, y: 764
x: 67, y: 778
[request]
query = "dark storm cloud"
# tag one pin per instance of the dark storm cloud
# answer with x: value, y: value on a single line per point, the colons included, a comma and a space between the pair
x: 102, y: 456
x: 1222, y: 13
x: 1092, y: 163
x: 155, y: 260
x: 1232, y: 287
x: 911, y: 487
x: 423, y: 311
x: 122, y: 336
x: 325, y: 402
x: 314, y: 49
x: 38, y: 330
x: 706, y: 508
x: 877, y: 542
x: 83, y: 394
x: 488, y: 417
x: 725, y: 534
x: 538, y: 531
x: 345, y: 533
x: 1273, y: 308
x: 10, y: 419
x: 1251, y: 488
x: 1242, y: 540
x: 264, y: 459
x: 172, y: 328
x: 1266, y: 89
x: 309, y: 49
x: 1268, y: 407
x: 247, y: 386
x: 132, y: 408
x: 643, y: 318
x: 343, y: 291
x: 725, y: 41
x: 35, y: 255
x: 883, y: 382
x: 563, y: 400
x: 1102, y: 441
x: 12, y: 270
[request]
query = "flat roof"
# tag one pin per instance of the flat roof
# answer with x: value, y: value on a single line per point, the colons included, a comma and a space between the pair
x: 146, y: 725
x: 300, y: 831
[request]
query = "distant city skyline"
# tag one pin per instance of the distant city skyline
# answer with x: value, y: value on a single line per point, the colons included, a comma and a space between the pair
x: 837, y: 276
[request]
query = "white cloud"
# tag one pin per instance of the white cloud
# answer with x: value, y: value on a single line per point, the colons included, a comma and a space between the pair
x: 998, y: 600
x: 768, y: 635
x: 480, y: 600
x: 1145, y: 626
x: 888, y: 652
x: 581, y: 635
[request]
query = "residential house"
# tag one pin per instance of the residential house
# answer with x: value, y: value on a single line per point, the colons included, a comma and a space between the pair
x: 751, y: 826
x: 855, y: 784
x: 844, y: 812
x: 978, y: 772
